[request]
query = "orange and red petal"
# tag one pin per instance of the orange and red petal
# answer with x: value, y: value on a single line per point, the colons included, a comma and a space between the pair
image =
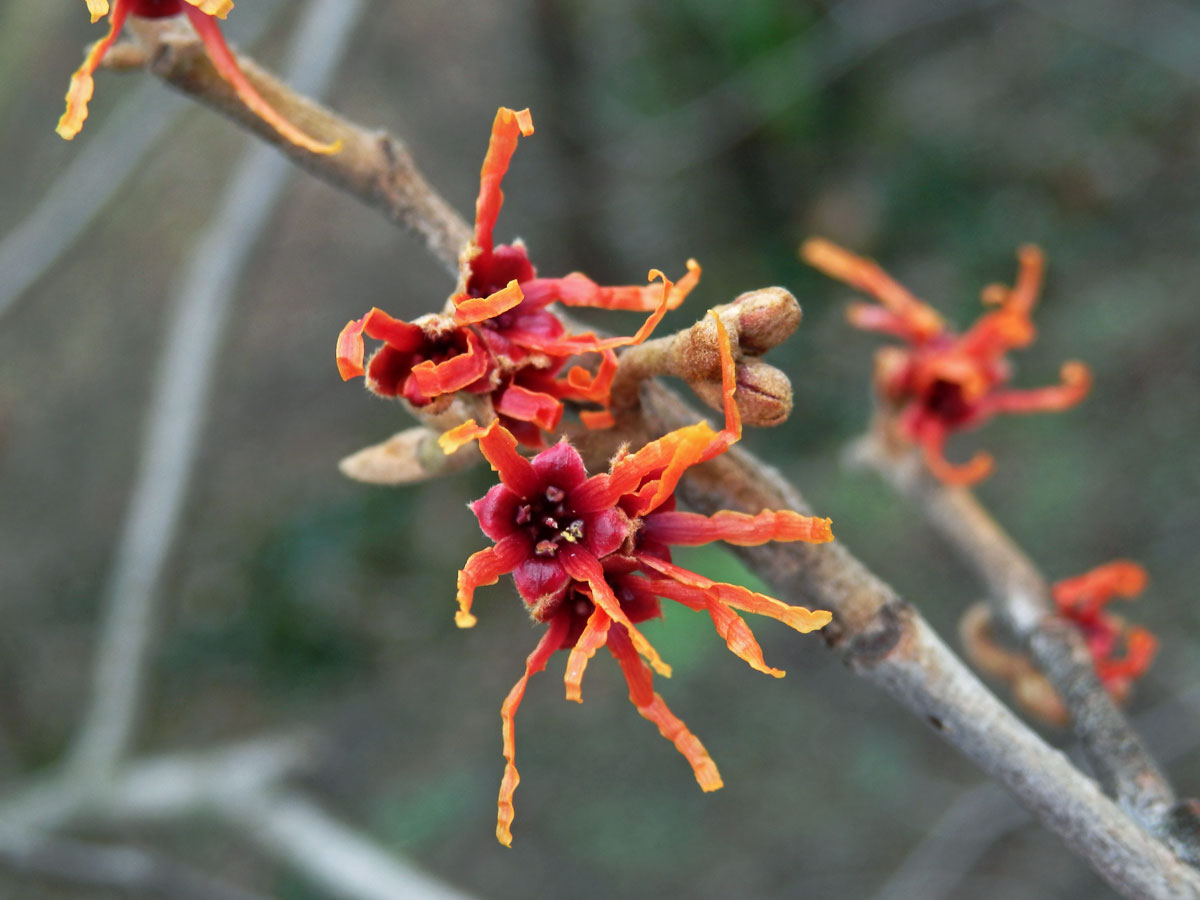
x: 865, y: 275
x: 738, y: 597
x: 1140, y: 649
x: 79, y: 92
x: 218, y: 8
x: 583, y: 567
x: 597, y: 420
x: 508, y: 125
x: 593, y: 637
x: 652, y: 707
x: 728, y: 624
x: 453, y: 374
x: 1076, y: 382
x: 350, y: 350
x: 577, y: 289
x: 693, y: 529
x: 471, y: 310
x: 550, y: 643
x: 226, y: 64
x: 932, y: 438
x: 525, y: 405
x: 485, y: 567
x: 500, y: 449
x: 1083, y: 596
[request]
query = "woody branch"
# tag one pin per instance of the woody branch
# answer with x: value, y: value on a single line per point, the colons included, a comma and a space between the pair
x: 882, y: 637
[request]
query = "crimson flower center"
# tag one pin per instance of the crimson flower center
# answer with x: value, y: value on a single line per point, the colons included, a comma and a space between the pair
x: 946, y: 401
x: 549, y: 521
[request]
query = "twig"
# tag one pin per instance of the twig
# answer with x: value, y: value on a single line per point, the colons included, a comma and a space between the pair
x: 332, y: 855
x: 1021, y: 601
x: 983, y: 814
x: 131, y: 871
x: 240, y: 785
x: 181, y: 393
x: 883, y: 638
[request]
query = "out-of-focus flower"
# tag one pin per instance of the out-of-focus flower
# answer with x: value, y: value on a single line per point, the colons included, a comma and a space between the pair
x: 500, y: 338
x: 940, y: 381
x: 1082, y: 600
x: 203, y: 15
x: 591, y: 557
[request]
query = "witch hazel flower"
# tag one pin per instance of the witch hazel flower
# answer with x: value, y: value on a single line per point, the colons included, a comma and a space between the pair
x: 498, y: 337
x: 941, y: 382
x: 203, y: 15
x: 591, y: 558
x: 1082, y: 600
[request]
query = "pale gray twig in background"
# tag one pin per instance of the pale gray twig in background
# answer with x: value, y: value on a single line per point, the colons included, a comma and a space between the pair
x: 111, y: 150
x: 135, y: 873
x: 182, y: 384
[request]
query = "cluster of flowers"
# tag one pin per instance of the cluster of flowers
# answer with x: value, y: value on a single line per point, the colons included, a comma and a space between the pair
x: 942, y: 382
x: 498, y: 338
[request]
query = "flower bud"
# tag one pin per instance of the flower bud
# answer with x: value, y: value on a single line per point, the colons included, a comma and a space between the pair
x: 764, y: 318
x: 763, y: 396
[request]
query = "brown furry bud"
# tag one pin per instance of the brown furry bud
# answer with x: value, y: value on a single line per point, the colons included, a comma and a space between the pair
x: 763, y: 396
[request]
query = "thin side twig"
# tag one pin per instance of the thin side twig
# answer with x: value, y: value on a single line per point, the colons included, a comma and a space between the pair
x: 1020, y: 600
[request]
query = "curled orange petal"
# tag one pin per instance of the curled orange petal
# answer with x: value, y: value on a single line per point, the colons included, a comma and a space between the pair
x: 738, y: 597
x: 98, y: 9
x: 652, y: 707
x: 866, y: 275
x: 597, y: 420
x: 506, y: 127
x: 350, y: 350
x: 582, y: 566
x: 218, y: 8
x: 470, y: 310
x: 485, y: 567
x: 742, y: 529
x: 550, y: 643
x: 594, y: 634
x: 1076, y: 382
x: 525, y: 405
x: 79, y: 92
x: 500, y: 449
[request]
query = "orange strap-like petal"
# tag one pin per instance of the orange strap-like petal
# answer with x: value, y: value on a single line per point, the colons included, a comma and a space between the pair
x: 729, y: 625
x: 932, y: 438
x: 500, y: 449
x: 550, y: 643
x: 525, y: 405
x: 453, y: 374
x: 350, y: 349
x: 594, y: 634
x: 652, y: 707
x: 506, y: 127
x: 470, y: 310
x: 577, y: 289
x: 79, y: 92
x: 218, y: 8
x: 226, y: 64
x: 692, y: 529
x: 98, y: 9
x: 866, y: 275
x: 1083, y: 596
x: 582, y: 566
x: 485, y: 567
x: 1076, y: 382
x: 738, y: 597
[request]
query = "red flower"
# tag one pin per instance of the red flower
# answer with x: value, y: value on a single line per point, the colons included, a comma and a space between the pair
x: 201, y: 13
x: 591, y: 557
x: 500, y: 338
x: 943, y: 382
x: 1082, y: 600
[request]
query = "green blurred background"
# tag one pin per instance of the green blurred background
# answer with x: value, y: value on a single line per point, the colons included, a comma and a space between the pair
x: 933, y: 136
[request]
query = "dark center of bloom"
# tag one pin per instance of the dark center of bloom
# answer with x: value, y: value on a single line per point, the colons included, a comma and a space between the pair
x: 549, y: 521
x: 155, y: 9
x: 946, y: 401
